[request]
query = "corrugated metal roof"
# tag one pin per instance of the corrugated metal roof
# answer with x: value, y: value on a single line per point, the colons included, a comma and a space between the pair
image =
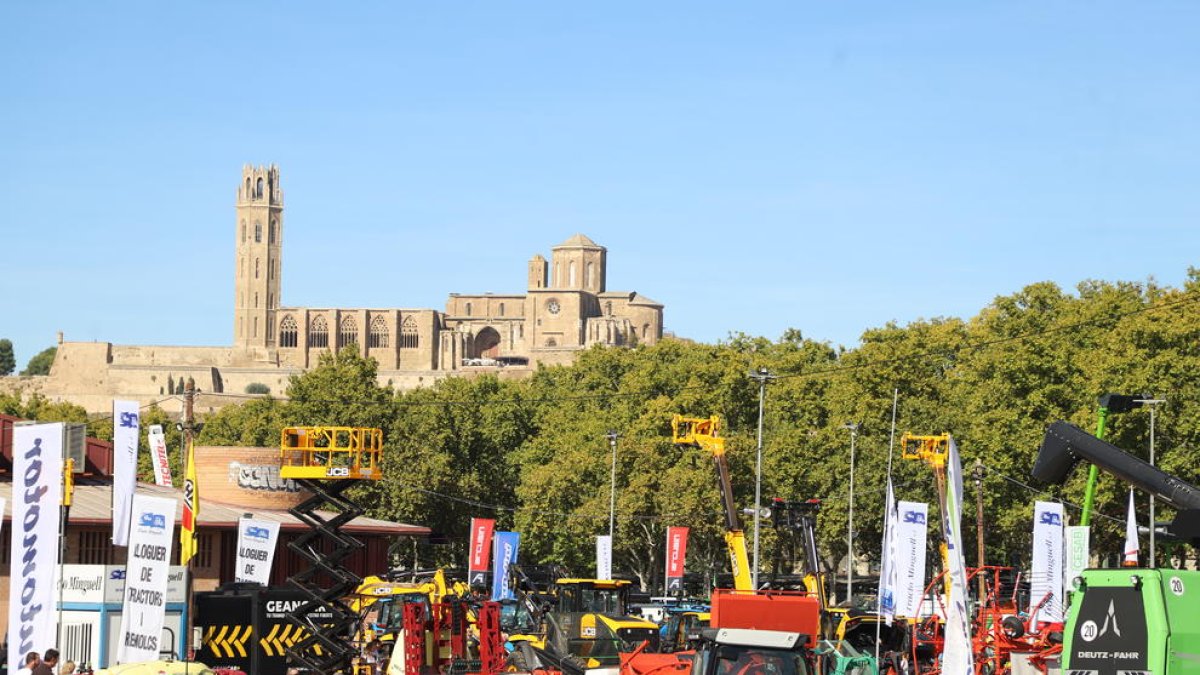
x: 92, y: 505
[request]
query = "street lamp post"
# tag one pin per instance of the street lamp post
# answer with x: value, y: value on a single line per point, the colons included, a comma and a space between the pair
x: 612, y: 437
x: 853, y: 427
x: 762, y: 376
x: 1153, y: 403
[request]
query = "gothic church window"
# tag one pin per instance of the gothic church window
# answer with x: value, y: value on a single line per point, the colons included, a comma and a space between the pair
x: 347, y: 331
x: 256, y: 261
x: 571, y: 275
x: 468, y: 309
x: 248, y: 194
x: 408, y: 333
x: 257, y: 232
x: 502, y: 309
x: 587, y: 277
x: 608, y: 308
x: 287, y: 332
x: 271, y: 233
x: 318, y: 332
x: 243, y: 231
x: 378, y: 337
x: 258, y: 189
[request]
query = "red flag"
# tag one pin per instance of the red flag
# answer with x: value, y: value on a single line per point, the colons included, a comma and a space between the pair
x: 480, y: 552
x: 676, y: 555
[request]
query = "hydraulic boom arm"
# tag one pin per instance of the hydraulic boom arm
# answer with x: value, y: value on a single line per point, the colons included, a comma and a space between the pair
x: 698, y: 432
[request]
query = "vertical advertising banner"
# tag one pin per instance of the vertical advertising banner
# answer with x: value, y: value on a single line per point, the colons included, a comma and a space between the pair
x: 887, y: 574
x: 911, y: 533
x: 125, y: 447
x: 506, y: 556
x: 477, y: 555
x: 958, y: 657
x: 36, y: 495
x: 158, y: 455
x: 144, y: 606
x: 1077, y: 553
x: 676, y: 558
x: 1046, y: 584
x: 256, y: 550
x: 604, y: 557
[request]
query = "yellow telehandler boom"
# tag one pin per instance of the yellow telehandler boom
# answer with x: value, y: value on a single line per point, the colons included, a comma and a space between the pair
x: 700, y: 432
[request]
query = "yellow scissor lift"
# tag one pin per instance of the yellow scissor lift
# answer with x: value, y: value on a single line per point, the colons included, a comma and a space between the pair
x: 327, y: 461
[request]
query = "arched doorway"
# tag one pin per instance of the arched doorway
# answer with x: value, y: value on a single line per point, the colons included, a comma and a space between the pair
x: 487, y: 344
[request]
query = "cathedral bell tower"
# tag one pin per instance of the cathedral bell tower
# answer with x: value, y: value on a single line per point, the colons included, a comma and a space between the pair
x: 259, y: 232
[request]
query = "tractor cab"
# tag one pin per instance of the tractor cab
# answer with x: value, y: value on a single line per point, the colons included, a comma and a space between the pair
x: 600, y: 596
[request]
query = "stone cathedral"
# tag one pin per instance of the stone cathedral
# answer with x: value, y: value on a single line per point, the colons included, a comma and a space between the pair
x: 566, y: 307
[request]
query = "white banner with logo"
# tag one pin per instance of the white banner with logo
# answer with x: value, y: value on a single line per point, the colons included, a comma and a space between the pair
x: 604, y: 557
x: 256, y: 550
x: 1077, y: 553
x: 146, y: 573
x: 158, y: 456
x: 911, y: 533
x: 37, y: 495
x: 887, y: 572
x: 1046, y: 584
x: 957, y: 655
x: 125, y: 447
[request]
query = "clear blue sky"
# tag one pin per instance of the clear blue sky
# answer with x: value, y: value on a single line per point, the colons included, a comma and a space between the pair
x: 753, y: 166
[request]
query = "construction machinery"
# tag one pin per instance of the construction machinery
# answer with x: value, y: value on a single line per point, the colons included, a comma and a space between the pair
x: 380, y: 602
x: 703, y: 433
x: 327, y: 462
x: 682, y: 629
x: 848, y: 631
x: 752, y: 633
x: 581, y: 622
x: 1128, y: 620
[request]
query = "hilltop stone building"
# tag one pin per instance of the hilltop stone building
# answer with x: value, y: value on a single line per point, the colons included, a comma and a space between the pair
x: 566, y: 307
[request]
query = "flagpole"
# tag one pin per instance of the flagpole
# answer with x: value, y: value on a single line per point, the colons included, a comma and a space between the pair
x: 887, y: 514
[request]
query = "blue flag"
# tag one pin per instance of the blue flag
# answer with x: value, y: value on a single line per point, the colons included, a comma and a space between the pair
x: 505, y: 548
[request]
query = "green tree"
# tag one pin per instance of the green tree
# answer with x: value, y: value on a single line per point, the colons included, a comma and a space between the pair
x: 257, y: 388
x: 41, y: 362
x: 8, y: 362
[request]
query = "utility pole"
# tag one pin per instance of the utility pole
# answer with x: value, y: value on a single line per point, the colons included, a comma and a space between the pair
x: 853, y: 427
x: 762, y: 376
x: 189, y: 423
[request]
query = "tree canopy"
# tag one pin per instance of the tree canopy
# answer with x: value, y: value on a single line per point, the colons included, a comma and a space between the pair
x: 41, y: 362
x: 534, y: 454
x: 8, y: 362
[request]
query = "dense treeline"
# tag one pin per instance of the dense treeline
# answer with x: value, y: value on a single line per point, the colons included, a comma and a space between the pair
x: 533, y: 453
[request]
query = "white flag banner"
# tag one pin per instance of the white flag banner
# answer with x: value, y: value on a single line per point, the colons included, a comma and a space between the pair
x: 604, y: 557
x: 887, y: 573
x: 957, y: 655
x: 911, y: 534
x: 125, y: 447
x: 158, y: 456
x: 1078, y: 552
x: 1131, y: 535
x: 37, y: 490
x: 144, y: 605
x: 1046, y: 584
x: 256, y: 550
